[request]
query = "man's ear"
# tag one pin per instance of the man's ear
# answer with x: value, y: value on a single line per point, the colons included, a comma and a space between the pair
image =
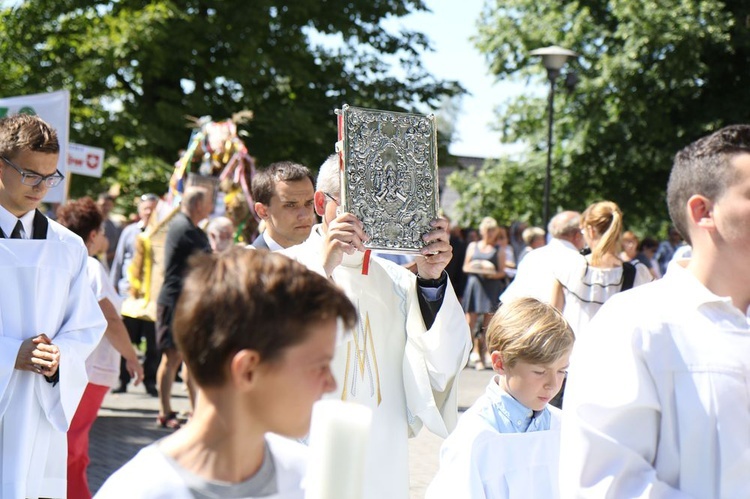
x: 700, y: 211
x: 261, y: 210
x: 320, y: 203
x: 243, y: 369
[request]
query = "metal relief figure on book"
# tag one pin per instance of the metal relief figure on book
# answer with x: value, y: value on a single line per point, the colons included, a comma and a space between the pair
x: 390, y: 175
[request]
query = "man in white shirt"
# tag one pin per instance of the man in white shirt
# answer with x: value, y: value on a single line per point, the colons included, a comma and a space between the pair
x: 283, y: 194
x: 535, y: 275
x: 49, y: 319
x: 403, y: 358
x: 658, y: 402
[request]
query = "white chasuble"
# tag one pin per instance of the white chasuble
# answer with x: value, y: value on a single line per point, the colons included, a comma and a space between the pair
x: 44, y: 289
x: 391, y: 363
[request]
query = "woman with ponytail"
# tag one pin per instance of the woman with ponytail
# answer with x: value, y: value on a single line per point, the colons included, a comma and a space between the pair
x: 584, y: 283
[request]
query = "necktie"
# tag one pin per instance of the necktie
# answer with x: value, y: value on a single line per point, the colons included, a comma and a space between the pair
x: 16, y: 234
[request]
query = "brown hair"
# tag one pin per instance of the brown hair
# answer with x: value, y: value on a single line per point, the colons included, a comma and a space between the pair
x: 264, y: 181
x: 23, y: 132
x: 704, y: 167
x: 81, y: 216
x: 605, y: 218
x: 530, y: 331
x: 249, y: 299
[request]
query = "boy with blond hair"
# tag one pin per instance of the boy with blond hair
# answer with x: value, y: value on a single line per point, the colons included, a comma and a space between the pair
x: 507, y: 443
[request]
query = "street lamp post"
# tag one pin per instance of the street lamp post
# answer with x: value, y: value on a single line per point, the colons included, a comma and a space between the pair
x: 553, y: 58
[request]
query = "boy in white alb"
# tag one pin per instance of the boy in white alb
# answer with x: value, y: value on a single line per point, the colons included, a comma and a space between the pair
x: 507, y: 444
x: 49, y: 318
x: 257, y: 331
x: 658, y: 404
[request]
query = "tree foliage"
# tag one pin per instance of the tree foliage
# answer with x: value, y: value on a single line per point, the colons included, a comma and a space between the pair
x: 654, y: 76
x: 135, y: 69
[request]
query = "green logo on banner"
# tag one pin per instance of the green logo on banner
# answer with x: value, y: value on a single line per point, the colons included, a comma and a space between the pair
x: 24, y: 110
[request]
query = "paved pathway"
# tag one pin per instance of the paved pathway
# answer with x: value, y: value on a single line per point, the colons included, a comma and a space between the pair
x: 126, y: 424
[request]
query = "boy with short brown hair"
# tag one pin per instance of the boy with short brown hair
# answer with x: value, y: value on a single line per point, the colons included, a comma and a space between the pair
x: 257, y: 331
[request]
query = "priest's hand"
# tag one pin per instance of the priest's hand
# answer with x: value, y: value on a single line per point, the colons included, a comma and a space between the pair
x: 38, y: 355
x: 437, y: 252
x: 345, y: 234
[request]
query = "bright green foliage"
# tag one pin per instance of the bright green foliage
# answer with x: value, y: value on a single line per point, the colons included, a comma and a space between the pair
x: 654, y: 76
x: 135, y: 70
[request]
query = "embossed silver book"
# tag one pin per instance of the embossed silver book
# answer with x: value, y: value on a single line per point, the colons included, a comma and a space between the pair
x: 389, y: 175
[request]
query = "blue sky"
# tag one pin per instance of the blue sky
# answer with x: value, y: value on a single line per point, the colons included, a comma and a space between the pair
x: 449, y: 27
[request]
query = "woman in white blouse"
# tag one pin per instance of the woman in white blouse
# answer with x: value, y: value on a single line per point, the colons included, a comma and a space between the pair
x: 584, y: 283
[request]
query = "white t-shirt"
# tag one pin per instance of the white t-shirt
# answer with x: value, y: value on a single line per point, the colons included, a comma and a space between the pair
x: 152, y: 475
x: 103, y: 365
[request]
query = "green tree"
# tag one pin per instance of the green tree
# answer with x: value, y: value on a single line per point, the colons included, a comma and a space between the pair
x: 654, y: 75
x: 135, y: 69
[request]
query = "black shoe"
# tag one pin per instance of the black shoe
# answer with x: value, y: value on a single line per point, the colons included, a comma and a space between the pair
x: 151, y: 390
x: 123, y: 388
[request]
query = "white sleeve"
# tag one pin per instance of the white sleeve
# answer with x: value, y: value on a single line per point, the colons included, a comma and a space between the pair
x: 433, y: 360
x: 611, y: 420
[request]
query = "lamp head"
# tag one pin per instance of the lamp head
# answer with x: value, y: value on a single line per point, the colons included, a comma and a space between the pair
x: 554, y: 57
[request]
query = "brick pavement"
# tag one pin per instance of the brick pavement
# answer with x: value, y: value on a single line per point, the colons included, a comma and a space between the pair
x: 126, y: 424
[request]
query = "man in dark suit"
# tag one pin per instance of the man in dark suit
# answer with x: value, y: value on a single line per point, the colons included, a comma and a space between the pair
x: 283, y: 194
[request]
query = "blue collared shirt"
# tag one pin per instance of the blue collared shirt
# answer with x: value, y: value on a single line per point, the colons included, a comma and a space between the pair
x: 508, y: 415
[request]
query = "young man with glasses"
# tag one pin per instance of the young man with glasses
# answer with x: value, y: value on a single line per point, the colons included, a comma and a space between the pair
x: 49, y: 322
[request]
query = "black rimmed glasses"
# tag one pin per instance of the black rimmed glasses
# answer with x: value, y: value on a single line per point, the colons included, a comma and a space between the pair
x: 33, y: 179
x: 332, y: 198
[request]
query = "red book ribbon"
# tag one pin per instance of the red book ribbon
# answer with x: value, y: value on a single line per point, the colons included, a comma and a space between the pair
x: 366, y: 263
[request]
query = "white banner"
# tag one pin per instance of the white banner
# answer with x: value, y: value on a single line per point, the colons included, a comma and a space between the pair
x: 85, y: 160
x: 54, y: 108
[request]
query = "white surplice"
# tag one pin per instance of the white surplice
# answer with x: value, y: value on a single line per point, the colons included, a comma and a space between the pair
x: 43, y: 289
x: 392, y: 363
x: 658, y: 399
x: 477, y: 461
x: 152, y: 475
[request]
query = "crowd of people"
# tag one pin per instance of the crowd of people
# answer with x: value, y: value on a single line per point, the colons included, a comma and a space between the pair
x: 655, y: 337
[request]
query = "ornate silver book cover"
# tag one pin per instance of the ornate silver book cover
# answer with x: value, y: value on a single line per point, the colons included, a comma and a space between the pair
x: 389, y: 175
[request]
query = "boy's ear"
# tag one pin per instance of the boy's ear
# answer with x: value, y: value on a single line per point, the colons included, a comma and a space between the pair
x: 497, y: 362
x: 243, y: 369
x: 700, y: 211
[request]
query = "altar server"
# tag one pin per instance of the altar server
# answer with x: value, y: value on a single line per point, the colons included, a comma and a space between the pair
x: 50, y: 320
x: 658, y: 401
x: 507, y: 444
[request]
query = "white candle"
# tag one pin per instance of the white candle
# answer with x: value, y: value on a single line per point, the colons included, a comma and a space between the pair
x: 339, y: 432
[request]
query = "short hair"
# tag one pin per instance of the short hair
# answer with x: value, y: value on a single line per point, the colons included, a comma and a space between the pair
x: 329, y: 176
x: 217, y: 224
x: 264, y: 182
x: 105, y: 196
x: 23, y: 132
x: 530, y: 331
x: 486, y: 224
x: 530, y: 233
x: 648, y: 243
x: 605, y: 218
x: 564, y: 224
x: 192, y: 197
x: 80, y: 216
x: 630, y: 236
x: 256, y: 300
x: 704, y: 168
